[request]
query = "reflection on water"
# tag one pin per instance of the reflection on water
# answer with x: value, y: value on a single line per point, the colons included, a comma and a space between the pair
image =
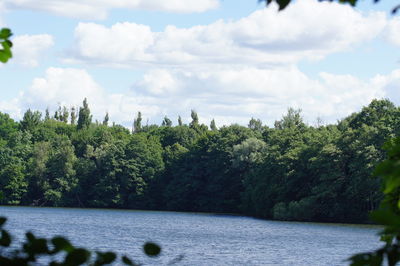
x: 203, y: 239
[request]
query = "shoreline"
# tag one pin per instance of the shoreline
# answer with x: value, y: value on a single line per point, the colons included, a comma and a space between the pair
x: 367, y: 225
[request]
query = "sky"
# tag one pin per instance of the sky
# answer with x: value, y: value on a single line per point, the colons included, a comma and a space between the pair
x: 229, y: 60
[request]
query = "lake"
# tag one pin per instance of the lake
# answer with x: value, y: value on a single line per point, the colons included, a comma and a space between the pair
x: 202, y: 239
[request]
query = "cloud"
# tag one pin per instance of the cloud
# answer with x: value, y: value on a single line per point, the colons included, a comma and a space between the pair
x: 28, y: 49
x: 237, y: 95
x: 89, y: 9
x: 62, y: 86
x: 2, y: 24
x: 392, y: 31
x: 68, y: 87
x: 306, y: 30
x: 229, y: 96
x: 390, y: 84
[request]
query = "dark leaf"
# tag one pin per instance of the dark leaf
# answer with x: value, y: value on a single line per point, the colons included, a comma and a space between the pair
x: 5, y: 33
x: 77, y: 257
x: 151, y: 249
x: 395, y: 9
x: 283, y: 4
x: 5, y: 239
x: 2, y: 221
x: 105, y: 258
x: 128, y: 261
x: 30, y: 237
x: 39, y: 246
x: 61, y: 243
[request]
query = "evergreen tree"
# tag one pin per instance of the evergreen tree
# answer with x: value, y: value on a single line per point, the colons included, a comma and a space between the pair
x: 213, y: 126
x: 56, y: 115
x: 59, y: 114
x: 166, y: 122
x: 30, y: 120
x: 106, y: 118
x: 292, y: 119
x: 47, y: 116
x: 73, y: 116
x: 255, y: 124
x: 84, y: 116
x: 195, y: 119
x: 64, y: 115
x: 180, y: 123
x: 137, y: 123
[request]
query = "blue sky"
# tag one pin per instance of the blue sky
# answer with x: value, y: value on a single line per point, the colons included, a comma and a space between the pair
x: 228, y: 60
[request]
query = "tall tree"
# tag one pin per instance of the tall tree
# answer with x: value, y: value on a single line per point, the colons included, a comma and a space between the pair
x: 64, y: 115
x: 84, y: 117
x: 105, y: 120
x: 255, y: 124
x: 195, y: 119
x: 137, y: 123
x: 166, y: 122
x: 47, y: 115
x: 180, y: 123
x: 30, y: 120
x: 7, y: 126
x: 213, y: 126
x: 73, y: 115
x: 292, y: 119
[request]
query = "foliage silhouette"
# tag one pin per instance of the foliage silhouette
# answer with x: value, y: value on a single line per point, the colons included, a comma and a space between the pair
x: 282, y: 4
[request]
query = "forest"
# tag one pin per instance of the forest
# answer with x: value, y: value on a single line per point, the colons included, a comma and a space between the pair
x: 291, y: 171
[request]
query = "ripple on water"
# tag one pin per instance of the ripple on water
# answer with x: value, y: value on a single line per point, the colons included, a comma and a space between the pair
x: 203, y: 239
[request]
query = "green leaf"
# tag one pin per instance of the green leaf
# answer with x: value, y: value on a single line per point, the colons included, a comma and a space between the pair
x: 151, y: 249
x: 283, y: 4
x: 386, y: 217
x: 5, y: 53
x: 77, y: 257
x: 5, y: 239
x: 61, y: 243
x: 5, y: 33
x: 2, y: 221
x: 3, y: 57
x: 367, y: 259
x: 39, y: 246
x: 391, y: 184
x: 128, y: 261
x: 105, y: 258
x: 9, y: 43
x: 30, y: 237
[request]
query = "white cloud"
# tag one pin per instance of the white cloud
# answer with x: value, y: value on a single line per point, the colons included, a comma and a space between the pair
x: 237, y: 95
x: 308, y: 29
x: 392, y: 31
x: 1, y: 14
x: 28, y: 49
x: 65, y: 86
x: 68, y: 87
x: 229, y: 96
x: 390, y: 84
x: 89, y: 9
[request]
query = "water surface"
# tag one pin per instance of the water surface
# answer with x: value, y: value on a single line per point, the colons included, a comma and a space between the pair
x: 203, y: 239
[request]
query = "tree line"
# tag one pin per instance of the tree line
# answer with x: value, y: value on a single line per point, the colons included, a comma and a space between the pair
x: 291, y: 171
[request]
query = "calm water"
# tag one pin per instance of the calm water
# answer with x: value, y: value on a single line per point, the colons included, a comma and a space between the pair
x: 203, y: 239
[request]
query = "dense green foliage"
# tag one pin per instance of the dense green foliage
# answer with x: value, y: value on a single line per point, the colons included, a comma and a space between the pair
x: 389, y: 212
x: 292, y: 171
